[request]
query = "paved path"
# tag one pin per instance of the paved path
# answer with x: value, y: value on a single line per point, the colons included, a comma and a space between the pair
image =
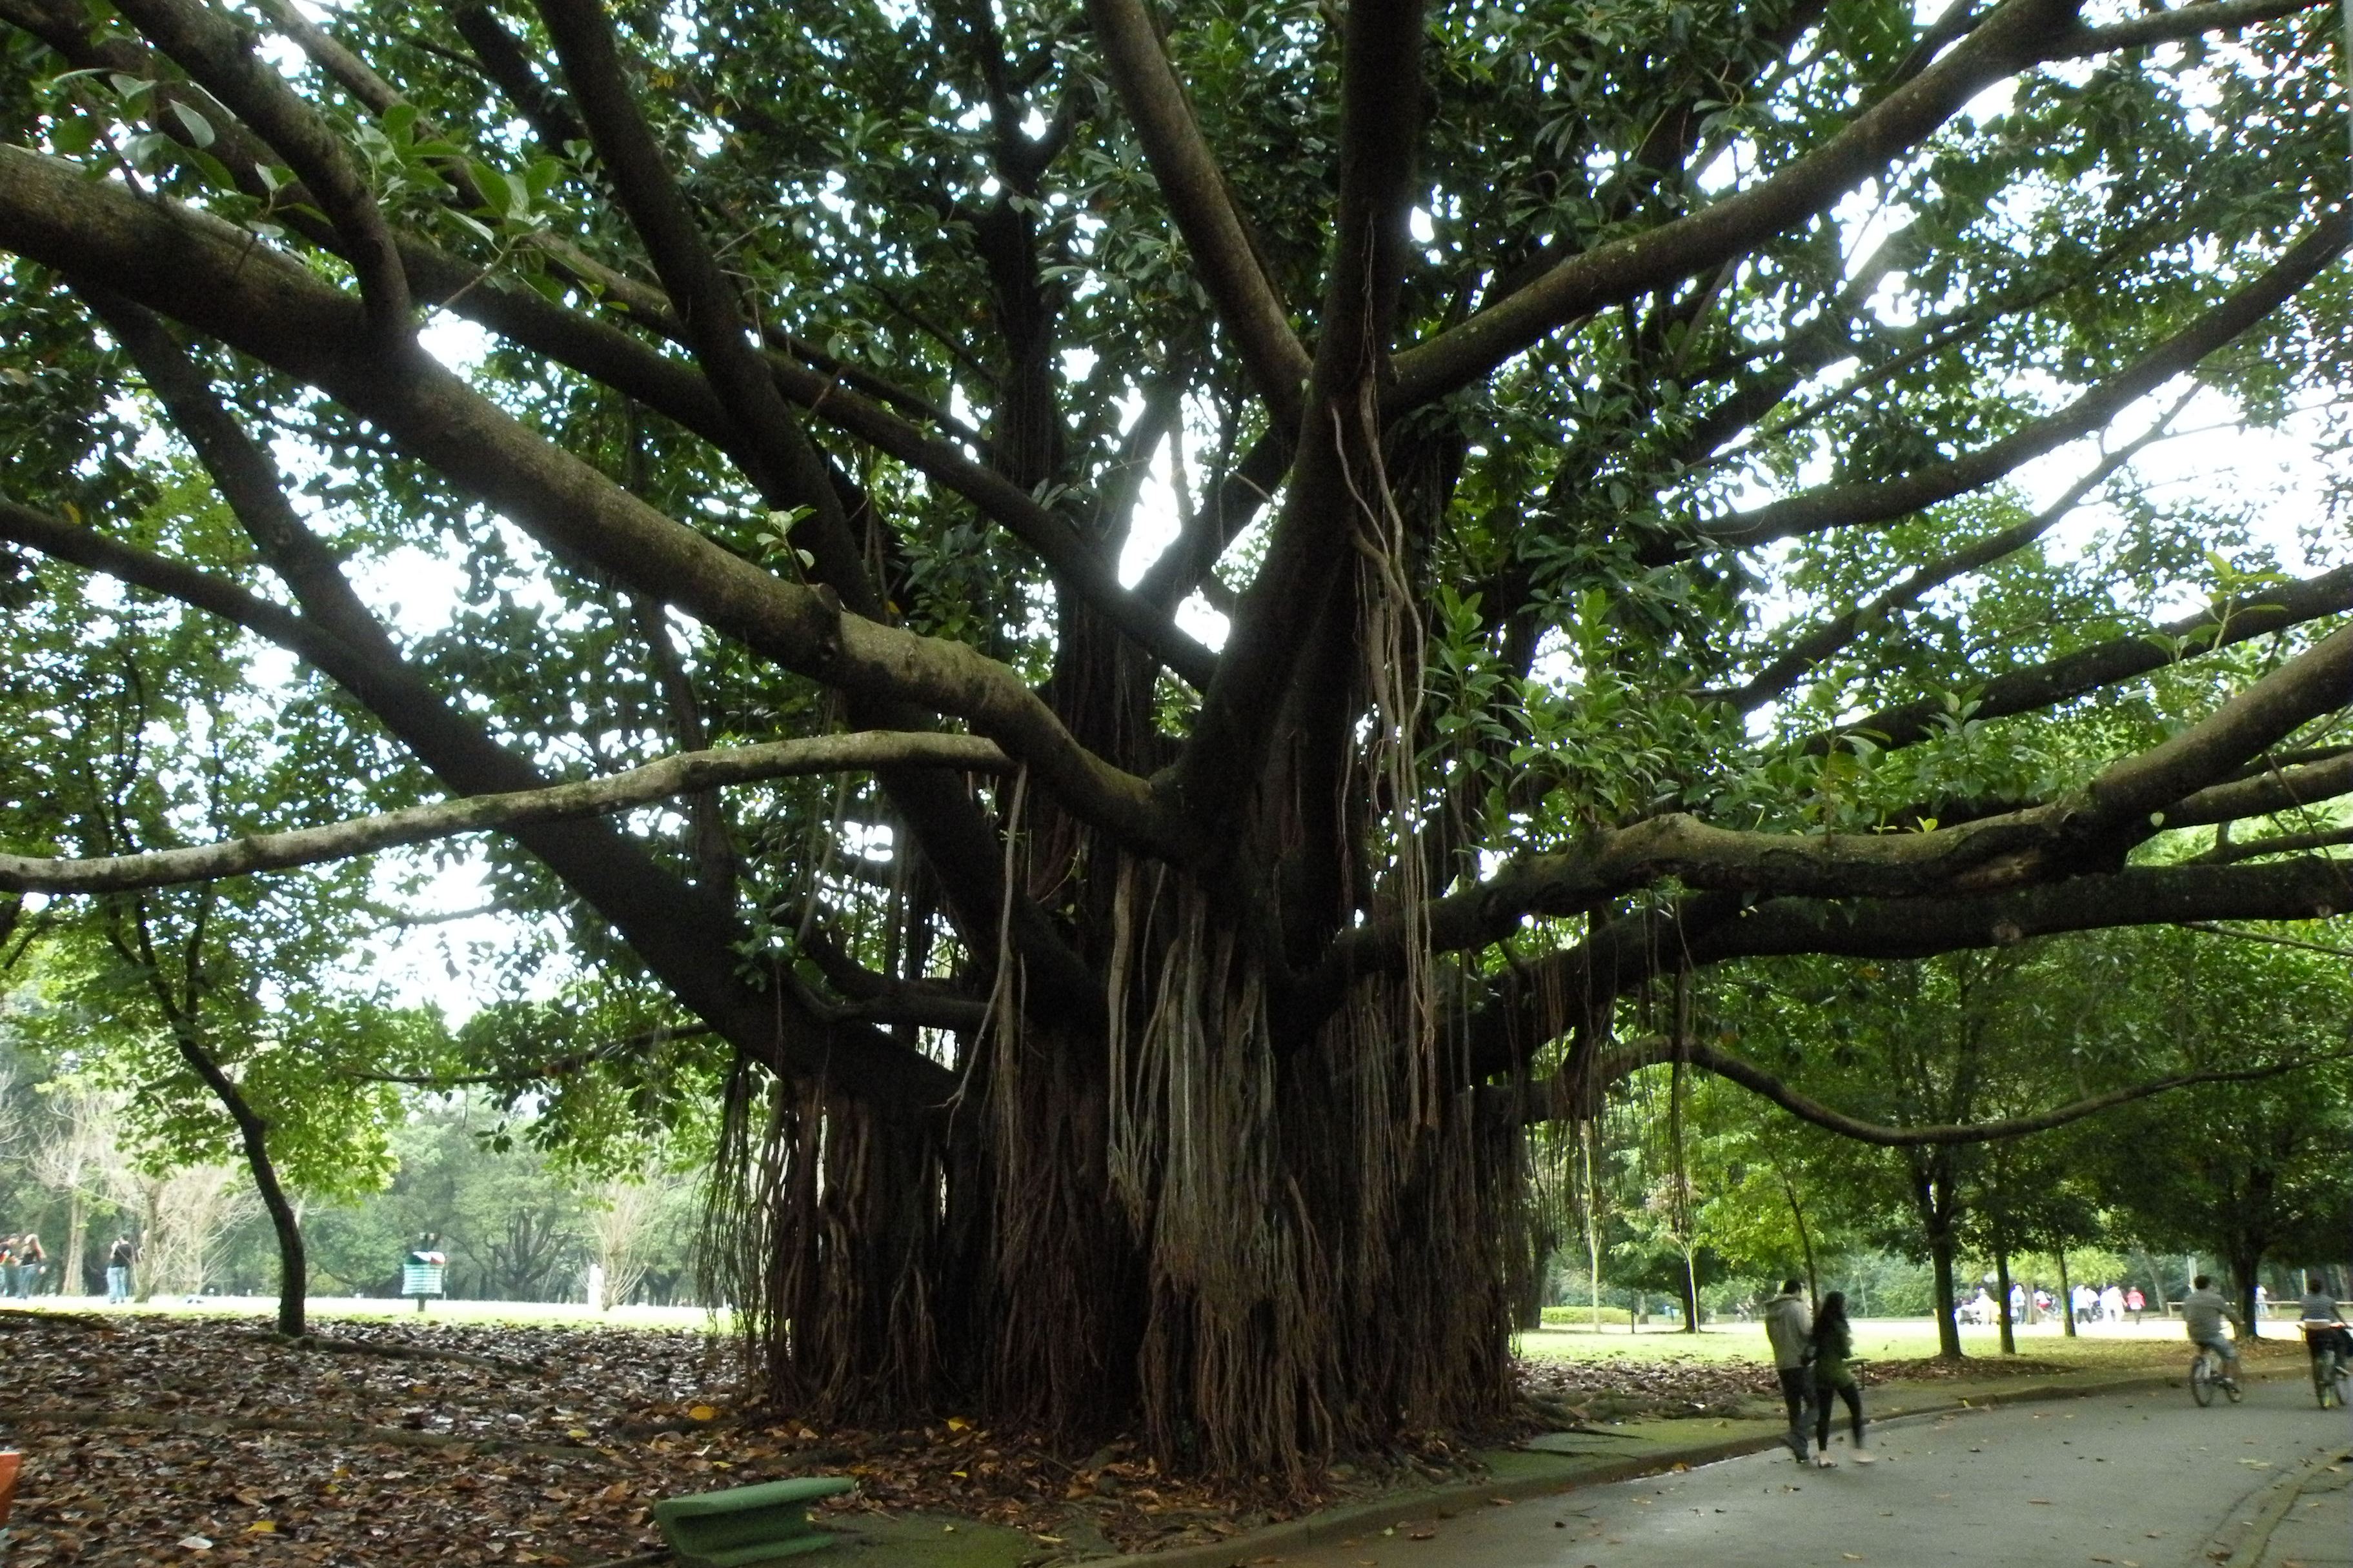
x: 2143, y: 1481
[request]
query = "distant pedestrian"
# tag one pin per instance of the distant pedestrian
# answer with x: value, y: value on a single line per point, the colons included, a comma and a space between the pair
x: 1788, y: 1327
x: 2134, y: 1302
x: 31, y: 1263
x: 2112, y: 1305
x: 7, y: 1266
x: 2084, y: 1300
x: 2263, y: 1300
x: 1832, y: 1343
x: 119, y: 1259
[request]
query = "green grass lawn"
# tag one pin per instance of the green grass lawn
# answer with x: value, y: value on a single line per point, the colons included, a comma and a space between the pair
x: 363, y: 1309
x: 2154, y: 1342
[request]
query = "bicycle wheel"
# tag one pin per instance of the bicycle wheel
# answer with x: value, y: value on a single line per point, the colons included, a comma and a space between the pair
x: 2201, y: 1380
x: 2343, y: 1384
x: 2229, y: 1381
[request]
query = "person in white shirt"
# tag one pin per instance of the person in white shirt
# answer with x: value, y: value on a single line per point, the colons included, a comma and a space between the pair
x: 2112, y: 1304
x: 1789, y: 1326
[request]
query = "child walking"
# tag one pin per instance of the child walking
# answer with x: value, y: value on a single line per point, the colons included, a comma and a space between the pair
x: 1833, y: 1346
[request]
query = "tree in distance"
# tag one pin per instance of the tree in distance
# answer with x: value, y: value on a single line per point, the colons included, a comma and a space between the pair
x: 1304, y: 556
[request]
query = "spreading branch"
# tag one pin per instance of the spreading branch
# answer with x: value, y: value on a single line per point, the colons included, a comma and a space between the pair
x: 2224, y: 624
x: 685, y: 774
x: 1227, y: 261
x: 1836, y: 633
x: 2017, y: 34
x: 220, y: 57
x: 217, y: 280
x: 1629, y: 1059
x: 1845, y: 506
x: 2087, y: 830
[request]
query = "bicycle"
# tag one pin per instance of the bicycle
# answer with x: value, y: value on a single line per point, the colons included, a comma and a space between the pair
x: 2331, y: 1377
x: 2208, y: 1372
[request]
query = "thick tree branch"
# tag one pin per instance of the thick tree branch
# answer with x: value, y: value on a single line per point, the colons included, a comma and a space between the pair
x: 1338, y: 466
x: 1248, y: 305
x: 769, y: 444
x: 1632, y: 1058
x: 2276, y: 789
x: 1846, y: 506
x: 2197, y: 18
x: 1840, y: 630
x: 2045, y: 684
x: 684, y: 773
x: 2305, y: 888
x: 502, y: 59
x: 2317, y: 681
x: 675, y: 934
x: 2232, y: 851
x: 1537, y: 1001
x: 221, y: 57
x: 2040, y: 844
x: 2017, y: 34
x: 217, y: 280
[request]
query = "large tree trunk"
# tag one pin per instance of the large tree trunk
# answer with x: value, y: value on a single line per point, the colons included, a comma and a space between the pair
x: 2001, y: 1298
x: 76, y: 1221
x: 2067, y: 1296
x: 1529, y: 1313
x: 293, y: 1267
x: 1948, y: 1329
x: 1257, y: 1255
x: 2246, y: 1270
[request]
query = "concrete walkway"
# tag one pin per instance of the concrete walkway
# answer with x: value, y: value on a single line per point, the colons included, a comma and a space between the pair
x: 2309, y: 1524
x: 2140, y: 1480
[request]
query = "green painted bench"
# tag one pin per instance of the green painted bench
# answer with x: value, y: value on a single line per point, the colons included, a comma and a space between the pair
x: 745, y: 1525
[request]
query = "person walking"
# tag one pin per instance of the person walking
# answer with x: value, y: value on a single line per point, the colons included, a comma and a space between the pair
x: 32, y: 1262
x: 7, y: 1266
x: 118, y: 1259
x: 2112, y: 1305
x: 2134, y: 1302
x: 1832, y: 1344
x: 1788, y: 1327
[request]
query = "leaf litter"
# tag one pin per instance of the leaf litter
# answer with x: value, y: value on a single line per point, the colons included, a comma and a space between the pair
x: 156, y: 1439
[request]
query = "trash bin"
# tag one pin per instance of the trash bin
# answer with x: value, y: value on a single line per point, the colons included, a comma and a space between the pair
x: 420, y: 1276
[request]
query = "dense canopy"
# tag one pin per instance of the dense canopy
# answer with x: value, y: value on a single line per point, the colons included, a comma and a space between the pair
x: 1246, y: 579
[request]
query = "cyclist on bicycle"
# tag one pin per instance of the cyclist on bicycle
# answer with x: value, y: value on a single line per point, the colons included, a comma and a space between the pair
x: 2324, y: 1325
x: 2203, y: 1310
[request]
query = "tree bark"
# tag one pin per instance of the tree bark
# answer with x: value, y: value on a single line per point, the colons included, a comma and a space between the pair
x: 76, y: 1221
x: 1805, y: 1241
x: 1949, y: 1328
x: 252, y: 1131
x: 2067, y: 1296
x: 2246, y: 1271
x: 2001, y: 1297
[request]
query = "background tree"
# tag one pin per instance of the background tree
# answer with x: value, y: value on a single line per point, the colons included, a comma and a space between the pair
x: 1153, y: 1049
x: 2248, y: 1173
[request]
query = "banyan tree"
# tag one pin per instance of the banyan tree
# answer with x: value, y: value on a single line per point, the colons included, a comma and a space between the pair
x: 1147, y: 624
